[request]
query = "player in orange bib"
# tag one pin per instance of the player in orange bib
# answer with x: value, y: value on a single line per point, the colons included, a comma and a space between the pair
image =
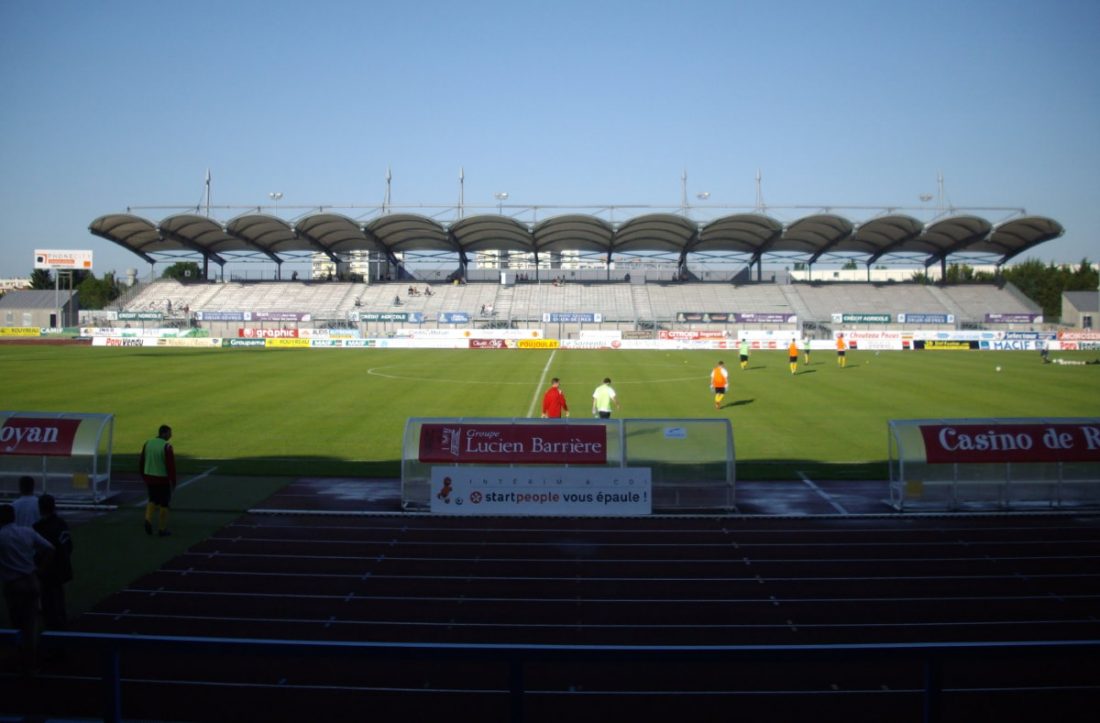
x: 841, y: 348
x: 719, y: 381
x: 792, y: 355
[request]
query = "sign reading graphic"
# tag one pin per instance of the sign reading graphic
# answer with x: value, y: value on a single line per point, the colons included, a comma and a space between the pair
x: 570, y: 491
x: 513, y: 444
x: 977, y: 443
x: 38, y: 436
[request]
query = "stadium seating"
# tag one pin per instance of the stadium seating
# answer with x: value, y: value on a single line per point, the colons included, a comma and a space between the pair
x: 621, y: 305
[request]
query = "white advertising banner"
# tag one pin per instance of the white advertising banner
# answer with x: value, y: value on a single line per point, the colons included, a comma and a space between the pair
x: 877, y: 340
x: 601, y: 334
x: 572, y: 491
x: 54, y: 259
x: 449, y: 333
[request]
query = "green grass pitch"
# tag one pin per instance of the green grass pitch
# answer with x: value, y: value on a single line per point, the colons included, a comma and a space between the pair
x: 343, y: 411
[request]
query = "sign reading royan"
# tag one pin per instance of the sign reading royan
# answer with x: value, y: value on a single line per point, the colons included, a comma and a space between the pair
x: 861, y: 318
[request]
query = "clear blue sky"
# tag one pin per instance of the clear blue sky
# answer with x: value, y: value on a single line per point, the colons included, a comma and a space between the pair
x: 111, y: 104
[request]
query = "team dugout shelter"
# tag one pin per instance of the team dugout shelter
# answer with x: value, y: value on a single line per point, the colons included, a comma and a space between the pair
x: 395, y: 237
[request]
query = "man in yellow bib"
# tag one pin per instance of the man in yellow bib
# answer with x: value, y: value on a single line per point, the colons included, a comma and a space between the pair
x: 158, y: 470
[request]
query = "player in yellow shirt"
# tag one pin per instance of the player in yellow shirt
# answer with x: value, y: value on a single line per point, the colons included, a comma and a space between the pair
x: 719, y: 380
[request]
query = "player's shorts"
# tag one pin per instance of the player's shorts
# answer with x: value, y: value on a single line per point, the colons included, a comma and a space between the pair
x: 840, y: 352
x: 160, y: 495
x: 604, y: 415
x: 744, y: 357
x: 793, y: 358
x: 719, y: 390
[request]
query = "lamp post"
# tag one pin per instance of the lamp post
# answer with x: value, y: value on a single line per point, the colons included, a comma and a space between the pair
x: 501, y: 198
x: 275, y: 196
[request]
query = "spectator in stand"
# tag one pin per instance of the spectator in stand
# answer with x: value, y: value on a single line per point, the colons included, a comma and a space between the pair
x: 26, y: 504
x: 55, y: 571
x: 554, y: 405
x: 18, y: 546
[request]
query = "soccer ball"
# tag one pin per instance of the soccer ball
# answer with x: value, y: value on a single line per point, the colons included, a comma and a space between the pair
x: 998, y: 369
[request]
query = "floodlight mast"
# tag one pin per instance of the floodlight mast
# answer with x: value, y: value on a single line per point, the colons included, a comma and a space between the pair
x: 501, y: 198
x: 275, y: 196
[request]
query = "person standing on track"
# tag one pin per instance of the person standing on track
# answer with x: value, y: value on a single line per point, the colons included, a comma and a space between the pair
x: 158, y: 470
x: 719, y: 380
x: 22, y: 593
x: 603, y: 398
x: 554, y: 405
x: 841, y: 348
x: 792, y: 355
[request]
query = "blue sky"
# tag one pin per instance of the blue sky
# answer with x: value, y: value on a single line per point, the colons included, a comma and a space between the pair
x: 110, y: 104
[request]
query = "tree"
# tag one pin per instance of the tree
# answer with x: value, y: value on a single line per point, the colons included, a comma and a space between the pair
x: 183, y: 271
x: 41, y: 279
x: 98, y: 293
x: 850, y: 265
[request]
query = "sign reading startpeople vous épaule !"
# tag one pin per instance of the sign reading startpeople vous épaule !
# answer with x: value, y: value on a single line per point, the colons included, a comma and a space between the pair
x: 513, y: 444
x: 573, y: 491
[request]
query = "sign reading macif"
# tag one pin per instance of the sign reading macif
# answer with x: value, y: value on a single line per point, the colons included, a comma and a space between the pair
x: 47, y: 259
x: 573, y: 491
x: 513, y: 444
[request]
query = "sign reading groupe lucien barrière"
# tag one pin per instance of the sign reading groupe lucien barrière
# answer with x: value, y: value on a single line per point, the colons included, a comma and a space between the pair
x: 53, y: 259
x: 513, y: 444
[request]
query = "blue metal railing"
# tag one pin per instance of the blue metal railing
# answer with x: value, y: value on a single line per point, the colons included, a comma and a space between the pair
x: 516, y: 656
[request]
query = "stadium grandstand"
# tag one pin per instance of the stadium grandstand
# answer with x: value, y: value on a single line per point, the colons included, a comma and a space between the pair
x: 655, y: 269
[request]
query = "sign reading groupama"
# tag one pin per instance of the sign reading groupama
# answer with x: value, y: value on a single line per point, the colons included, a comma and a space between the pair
x: 513, y: 444
x: 38, y: 436
x: 977, y: 443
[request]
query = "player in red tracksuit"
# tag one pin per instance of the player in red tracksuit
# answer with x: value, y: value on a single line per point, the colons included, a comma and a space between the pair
x: 554, y: 405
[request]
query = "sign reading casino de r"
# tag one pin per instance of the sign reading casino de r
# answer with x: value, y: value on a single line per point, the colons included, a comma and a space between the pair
x: 513, y: 444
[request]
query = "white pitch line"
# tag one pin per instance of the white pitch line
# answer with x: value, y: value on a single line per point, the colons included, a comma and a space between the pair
x: 181, y: 485
x: 542, y: 380
x: 810, y: 483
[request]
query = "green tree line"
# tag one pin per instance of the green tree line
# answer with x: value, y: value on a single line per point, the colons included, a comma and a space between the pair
x: 1042, y: 283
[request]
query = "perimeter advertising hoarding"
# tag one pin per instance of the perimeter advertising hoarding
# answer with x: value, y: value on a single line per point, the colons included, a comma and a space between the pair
x: 1014, y: 318
x: 926, y: 318
x: 40, y: 437
x: 1000, y: 443
x: 728, y: 317
x: 513, y: 444
x: 861, y: 319
x: 412, y: 317
x: 53, y: 259
x: 572, y: 318
x: 572, y: 491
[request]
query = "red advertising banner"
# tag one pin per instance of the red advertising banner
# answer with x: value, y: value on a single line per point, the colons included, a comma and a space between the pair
x: 250, y: 333
x: 488, y: 344
x: 970, y: 443
x: 33, y: 436
x: 513, y: 444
